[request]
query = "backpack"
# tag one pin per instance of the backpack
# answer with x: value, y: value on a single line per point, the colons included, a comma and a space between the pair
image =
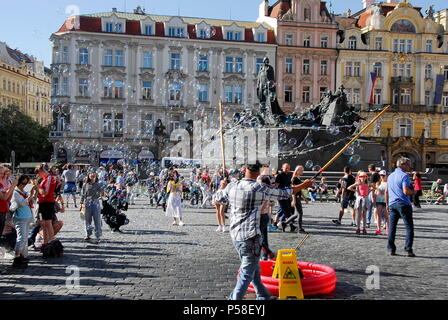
x: 53, y: 249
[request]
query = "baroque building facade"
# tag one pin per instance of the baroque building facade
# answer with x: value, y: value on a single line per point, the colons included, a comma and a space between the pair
x: 395, y: 54
x: 25, y: 83
x: 118, y: 77
x: 307, y: 50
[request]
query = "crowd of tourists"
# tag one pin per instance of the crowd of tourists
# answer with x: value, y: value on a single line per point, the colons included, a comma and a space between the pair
x: 29, y: 205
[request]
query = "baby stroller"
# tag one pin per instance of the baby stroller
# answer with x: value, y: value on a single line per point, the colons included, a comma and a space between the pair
x: 113, y: 209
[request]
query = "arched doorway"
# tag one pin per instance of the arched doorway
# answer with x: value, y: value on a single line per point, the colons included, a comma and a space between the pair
x: 416, y: 162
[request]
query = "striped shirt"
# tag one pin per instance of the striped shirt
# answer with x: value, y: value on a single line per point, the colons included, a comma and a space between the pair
x: 246, y: 198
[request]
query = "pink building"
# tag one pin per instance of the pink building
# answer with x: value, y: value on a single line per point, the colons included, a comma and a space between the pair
x: 306, y: 57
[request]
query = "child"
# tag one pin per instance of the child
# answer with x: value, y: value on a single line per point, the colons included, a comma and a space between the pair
x: 361, y: 187
x: 220, y: 205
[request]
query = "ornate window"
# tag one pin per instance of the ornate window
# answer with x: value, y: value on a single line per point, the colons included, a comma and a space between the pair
x: 289, y: 65
x: 288, y: 93
x: 378, y: 69
x: 83, y: 87
x: 324, y: 42
x: 147, y: 90
x: 147, y: 59
x: 404, y: 127
x: 147, y: 124
x: 428, y: 71
x: 83, y: 56
x: 306, y: 94
x: 203, y: 93
x: 175, y: 92
x: 324, y: 67
x: 445, y: 129
x: 352, y: 43
x: 203, y: 63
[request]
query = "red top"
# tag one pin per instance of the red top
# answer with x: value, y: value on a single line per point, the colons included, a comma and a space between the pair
x: 49, y: 185
x: 4, y: 206
x: 418, y: 184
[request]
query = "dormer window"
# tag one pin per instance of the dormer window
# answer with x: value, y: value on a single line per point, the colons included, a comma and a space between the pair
x: 148, y: 30
x: 261, y: 37
x: 234, y: 35
x: 176, y: 32
x: 114, y: 24
x: 203, y: 34
x: 118, y: 27
x: 352, y: 43
x: 109, y: 27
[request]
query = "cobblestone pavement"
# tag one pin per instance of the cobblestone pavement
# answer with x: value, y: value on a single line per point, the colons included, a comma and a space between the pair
x: 154, y: 260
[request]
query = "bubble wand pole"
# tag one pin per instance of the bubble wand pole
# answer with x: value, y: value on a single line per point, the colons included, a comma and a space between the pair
x: 221, y: 122
x: 353, y: 140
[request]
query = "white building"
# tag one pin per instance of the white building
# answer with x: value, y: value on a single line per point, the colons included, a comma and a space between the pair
x: 115, y: 74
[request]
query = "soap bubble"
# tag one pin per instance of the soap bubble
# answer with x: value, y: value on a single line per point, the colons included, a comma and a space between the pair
x: 333, y: 130
x: 309, y: 164
x: 292, y: 142
x: 315, y: 128
x: 349, y: 151
x: 310, y: 116
x: 354, y: 160
x: 316, y: 168
x: 309, y: 143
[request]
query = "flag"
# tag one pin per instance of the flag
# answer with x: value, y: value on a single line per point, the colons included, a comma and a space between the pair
x: 371, y: 88
x: 440, y: 82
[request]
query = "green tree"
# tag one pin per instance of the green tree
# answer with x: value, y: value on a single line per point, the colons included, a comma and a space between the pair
x: 25, y: 136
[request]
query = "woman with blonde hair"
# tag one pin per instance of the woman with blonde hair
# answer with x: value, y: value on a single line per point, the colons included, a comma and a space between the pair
x: 174, y: 202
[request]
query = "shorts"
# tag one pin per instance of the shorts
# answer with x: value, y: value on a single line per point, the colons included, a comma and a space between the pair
x: 346, y: 202
x: 362, y: 203
x: 46, y: 210
x: 381, y: 204
x: 70, y: 188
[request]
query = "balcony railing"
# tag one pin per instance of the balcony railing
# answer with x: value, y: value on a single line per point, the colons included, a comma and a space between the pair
x: 400, y: 79
x: 407, y: 108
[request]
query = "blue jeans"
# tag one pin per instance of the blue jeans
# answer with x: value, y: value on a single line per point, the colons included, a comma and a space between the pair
x: 93, y: 211
x: 249, y: 253
x: 22, y: 228
x: 371, y: 208
x: 285, y: 209
x: 264, y: 223
x: 404, y: 211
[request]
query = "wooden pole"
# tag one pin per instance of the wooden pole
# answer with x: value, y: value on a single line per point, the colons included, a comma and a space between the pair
x: 353, y: 140
x: 221, y: 122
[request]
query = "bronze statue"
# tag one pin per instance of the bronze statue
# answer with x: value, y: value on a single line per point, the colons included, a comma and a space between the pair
x: 266, y: 90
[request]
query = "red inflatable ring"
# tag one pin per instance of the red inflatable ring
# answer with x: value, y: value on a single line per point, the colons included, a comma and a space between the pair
x: 317, y: 278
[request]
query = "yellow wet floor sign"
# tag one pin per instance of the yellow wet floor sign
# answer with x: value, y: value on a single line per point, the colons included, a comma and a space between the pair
x: 287, y: 272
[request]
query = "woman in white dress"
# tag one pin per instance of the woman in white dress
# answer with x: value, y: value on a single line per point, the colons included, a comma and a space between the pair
x: 174, y: 202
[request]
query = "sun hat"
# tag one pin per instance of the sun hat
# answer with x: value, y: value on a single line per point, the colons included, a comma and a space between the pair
x: 362, y: 174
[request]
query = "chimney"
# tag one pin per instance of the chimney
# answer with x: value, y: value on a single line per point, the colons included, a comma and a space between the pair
x: 263, y: 9
x: 114, y: 9
x: 368, y: 3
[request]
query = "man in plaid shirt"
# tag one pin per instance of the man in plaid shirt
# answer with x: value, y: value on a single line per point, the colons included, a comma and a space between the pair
x: 245, y: 198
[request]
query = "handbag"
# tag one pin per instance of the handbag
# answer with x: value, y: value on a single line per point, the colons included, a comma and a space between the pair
x: 82, y: 213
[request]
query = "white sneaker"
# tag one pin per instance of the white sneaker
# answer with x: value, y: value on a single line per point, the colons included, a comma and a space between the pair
x: 174, y: 223
x: 181, y: 224
x: 225, y: 229
x: 219, y: 229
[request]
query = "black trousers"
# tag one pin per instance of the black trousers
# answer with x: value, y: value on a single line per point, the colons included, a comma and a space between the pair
x: 2, y: 222
x: 297, y: 214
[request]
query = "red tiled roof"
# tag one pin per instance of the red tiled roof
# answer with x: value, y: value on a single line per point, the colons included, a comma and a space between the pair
x: 280, y: 7
x: 160, y: 29
x: 133, y: 27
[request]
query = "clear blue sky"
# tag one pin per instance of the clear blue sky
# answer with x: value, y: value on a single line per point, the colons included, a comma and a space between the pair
x: 28, y: 24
